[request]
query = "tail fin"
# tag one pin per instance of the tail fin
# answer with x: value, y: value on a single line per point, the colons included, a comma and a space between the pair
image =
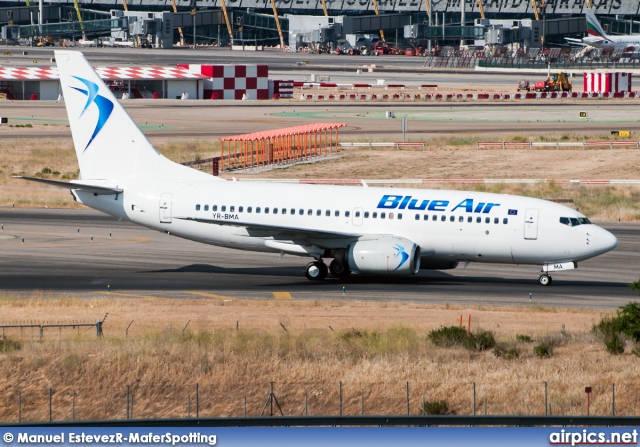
x: 593, y: 25
x: 109, y: 145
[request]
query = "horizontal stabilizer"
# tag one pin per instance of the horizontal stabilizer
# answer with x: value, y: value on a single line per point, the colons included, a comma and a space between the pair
x: 92, y: 189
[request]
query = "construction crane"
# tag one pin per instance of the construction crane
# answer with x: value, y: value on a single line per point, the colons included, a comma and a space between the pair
x: 589, y: 4
x: 375, y: 8
x: 75, y: 2
x: 427, y: 5
x: 324, y: 8
x: 124, y: 4
x: 275, y: 16
x: 226, y: 19
x: 535, y: 9
x: 175, y: 9
x: 481, y: 7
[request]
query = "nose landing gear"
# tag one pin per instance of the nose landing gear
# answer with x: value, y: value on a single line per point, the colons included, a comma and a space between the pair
x: 545, y: 280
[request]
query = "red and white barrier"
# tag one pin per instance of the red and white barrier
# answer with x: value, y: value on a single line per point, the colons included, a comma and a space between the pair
x: 599, y: 82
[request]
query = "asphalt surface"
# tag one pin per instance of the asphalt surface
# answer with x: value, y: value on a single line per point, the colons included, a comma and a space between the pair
x: 136, y: 262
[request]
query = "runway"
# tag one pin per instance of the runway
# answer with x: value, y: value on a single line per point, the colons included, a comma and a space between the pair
x: 136, y: 261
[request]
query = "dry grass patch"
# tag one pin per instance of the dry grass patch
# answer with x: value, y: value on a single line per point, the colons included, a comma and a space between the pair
x: 373, y: 349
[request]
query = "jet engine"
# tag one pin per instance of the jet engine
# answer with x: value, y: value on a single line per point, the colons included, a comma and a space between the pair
x: 387, y: 255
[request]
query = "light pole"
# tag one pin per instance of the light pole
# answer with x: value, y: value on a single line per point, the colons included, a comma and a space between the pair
x: 543, y: 5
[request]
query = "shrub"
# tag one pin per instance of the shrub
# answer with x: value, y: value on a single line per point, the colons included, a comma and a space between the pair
x: 436, y: 407
x: 7, y: 345
x: 46, y: 171
x: 608, y: 331
x: 523, y: 338
x: 448, y: 336
x: 508, y: 354
x: 481, y: 342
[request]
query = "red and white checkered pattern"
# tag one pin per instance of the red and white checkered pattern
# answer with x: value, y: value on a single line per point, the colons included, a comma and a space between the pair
x: 596, y: 82
x: 112, y: 73
x: 233, y: 81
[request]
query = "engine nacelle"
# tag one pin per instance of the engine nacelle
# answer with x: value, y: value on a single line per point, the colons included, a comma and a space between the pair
x: 387, y: 255
x: 438, y: 264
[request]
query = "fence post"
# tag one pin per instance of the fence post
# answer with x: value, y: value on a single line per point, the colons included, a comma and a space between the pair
x: 363, y: 404
x: 73, y: 406
x: 245, y: 406
x: 197, y: 402
x: 340, y: 386
x: 50, y: 404
x: 408, y: 411
x: 20, y: 406
x: 613, y: 399
x: 503, y: 145
x: 610, y: 144
x: 474, y: 398
x: 127, y: 402
x: 546, y: 402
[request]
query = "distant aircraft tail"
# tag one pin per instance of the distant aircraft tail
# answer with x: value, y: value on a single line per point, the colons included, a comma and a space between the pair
x: 593, y: 25
x: 109, y: 145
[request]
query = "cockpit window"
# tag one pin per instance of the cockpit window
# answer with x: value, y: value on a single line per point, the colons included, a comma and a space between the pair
x: 574, y: 221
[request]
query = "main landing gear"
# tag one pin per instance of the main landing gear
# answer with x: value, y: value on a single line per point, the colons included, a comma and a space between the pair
x: 544, y: 279
x: 317, y: 270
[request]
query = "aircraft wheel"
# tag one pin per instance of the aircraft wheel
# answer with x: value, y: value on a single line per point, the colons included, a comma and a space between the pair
x: 316, y: 270
x: 545, y: 280
x: 338, y: 270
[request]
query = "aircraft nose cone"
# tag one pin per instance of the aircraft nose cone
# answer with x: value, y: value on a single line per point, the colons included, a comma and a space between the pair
x: 605, y: 241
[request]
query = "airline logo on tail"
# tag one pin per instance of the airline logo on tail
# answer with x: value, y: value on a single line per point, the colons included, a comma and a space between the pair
x: 104, y: 105
x: 593, y: 26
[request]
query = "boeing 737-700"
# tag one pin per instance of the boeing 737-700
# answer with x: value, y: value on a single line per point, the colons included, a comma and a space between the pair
x: 375, y: 231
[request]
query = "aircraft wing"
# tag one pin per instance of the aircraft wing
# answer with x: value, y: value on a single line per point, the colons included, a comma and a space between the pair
x: 576, y: 42
x: 93, y: 189
x: 289, y: 239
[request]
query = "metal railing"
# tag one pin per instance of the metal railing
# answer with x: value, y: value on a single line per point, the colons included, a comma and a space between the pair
x: 557, y: 145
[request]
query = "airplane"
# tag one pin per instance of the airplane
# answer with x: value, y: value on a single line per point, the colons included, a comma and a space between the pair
x: 366, y: 230
x: 599, y: 39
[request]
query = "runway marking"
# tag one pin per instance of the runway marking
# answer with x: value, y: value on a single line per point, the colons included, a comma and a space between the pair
x: 81, y: 241
x: 282, y: 296
x: 211, y: 295
x: 129, y: 295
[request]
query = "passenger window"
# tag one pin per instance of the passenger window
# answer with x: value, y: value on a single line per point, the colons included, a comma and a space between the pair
x: 426, y: 217
x: 249, y: 209
x: 390, y: 215
x: 366, y: 214
x: 487, y: 220
x: 197, y: 207
x: 257, y: 209
x: 284, y: 211
x: 382, y: 215
x: 318, y: 213
x: 275, y: 211
x: 337, y: 213
x: 214, y: 208
x: 327, y: 213
x: 399, y: 216
x: 469, y: 219
x: 505, y: 220
x: 293, y: 211
x: 496, y: 220
x: 478, y: 219
x: 357, y: 213
x: 347, y: 214
x: 417, y: 216
x: 206, y: 207
x: 223, y: 208
x: 240, y: 209
x: 452, y: 218
x: 434, y: 218
x: 301, y: 212
x: 266, y: 210
x: 443, y: 218
x: 309, y: 212
x: 374, y: 215
x: 461, y: 219
x: 232, y: 209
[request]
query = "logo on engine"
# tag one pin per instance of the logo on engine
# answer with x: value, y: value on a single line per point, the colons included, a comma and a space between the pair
x: 403, y: 254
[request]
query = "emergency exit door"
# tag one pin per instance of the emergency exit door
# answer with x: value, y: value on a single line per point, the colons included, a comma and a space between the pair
x: 531, y: 224
x: 165, y: 208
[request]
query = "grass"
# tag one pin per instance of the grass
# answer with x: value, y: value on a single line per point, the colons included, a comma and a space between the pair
x: 374, y: 349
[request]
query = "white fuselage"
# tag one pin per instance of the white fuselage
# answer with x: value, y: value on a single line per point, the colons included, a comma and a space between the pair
x: 447, y: 225
x: 613, y: 42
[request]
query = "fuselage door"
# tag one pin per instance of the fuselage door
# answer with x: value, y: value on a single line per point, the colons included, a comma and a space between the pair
x: 531, y: 224
x: 357, y: 216
x: 165, y: 208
